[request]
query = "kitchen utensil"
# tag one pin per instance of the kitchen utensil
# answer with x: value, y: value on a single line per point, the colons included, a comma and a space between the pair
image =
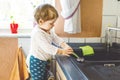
x: 78, y: 58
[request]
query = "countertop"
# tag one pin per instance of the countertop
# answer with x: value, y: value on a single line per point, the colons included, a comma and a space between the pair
x: 21, y: 33
x: 18, y: 35
x: 74, y: 70
x: 70, y: 70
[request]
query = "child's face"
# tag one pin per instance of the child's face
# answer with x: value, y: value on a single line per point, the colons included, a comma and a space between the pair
x: 47, y: 25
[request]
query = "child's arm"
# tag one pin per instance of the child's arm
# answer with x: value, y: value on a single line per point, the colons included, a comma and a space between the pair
x: 65, y: 45
x: 67, y: 50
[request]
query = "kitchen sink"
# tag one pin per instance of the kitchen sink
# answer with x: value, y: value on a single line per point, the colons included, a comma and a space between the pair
x: 98, y: 71
x: 103, y: 65
x: 101, y: 53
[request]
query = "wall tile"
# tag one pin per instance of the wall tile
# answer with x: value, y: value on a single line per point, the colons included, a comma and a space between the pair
x: 118, y: 22
x: 118, y: 33
x: 65, y: 39
x: 76, y: 40
x: 118, y: 40
x: 25, y: 43
x: 108, y: 21
x: 110, y: 7
x: 103, y: 40
x: 93, y: 40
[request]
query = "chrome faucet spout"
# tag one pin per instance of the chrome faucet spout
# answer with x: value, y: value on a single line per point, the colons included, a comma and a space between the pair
x: 108, y: 36
x: 108, y: 39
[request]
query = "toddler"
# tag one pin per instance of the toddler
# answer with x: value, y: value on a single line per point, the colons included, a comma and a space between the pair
x: 43, y: 37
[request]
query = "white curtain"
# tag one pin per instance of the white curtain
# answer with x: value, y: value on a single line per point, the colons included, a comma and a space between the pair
x: 71, y: 14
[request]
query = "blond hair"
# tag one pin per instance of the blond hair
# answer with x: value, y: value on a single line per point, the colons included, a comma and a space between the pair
x: 45, y: 12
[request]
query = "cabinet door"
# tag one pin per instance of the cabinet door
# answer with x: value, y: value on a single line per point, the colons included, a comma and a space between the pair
x: 91, y: 19
x: 58, y: 76
x: 60, y: 73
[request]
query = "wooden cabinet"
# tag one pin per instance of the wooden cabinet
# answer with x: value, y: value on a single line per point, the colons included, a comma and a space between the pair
x: 59, y: 73
x: 91, y: 19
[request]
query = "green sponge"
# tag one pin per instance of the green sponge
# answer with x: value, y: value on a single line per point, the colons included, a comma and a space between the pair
x: 87, y: 50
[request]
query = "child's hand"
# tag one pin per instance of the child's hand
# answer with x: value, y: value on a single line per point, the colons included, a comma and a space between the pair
x: 68, y: 47
x: 67, y: 51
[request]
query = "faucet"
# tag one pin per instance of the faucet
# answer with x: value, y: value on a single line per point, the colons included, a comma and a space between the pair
x: 108, y: 36
x: 108, y: 40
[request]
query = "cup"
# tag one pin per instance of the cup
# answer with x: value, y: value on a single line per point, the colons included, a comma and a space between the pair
x: 13, y: 27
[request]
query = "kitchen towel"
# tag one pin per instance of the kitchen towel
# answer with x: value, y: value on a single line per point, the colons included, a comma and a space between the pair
x: 87, y: 50
x: 12, y: 60
x: 72, y: 16
x: 19, y: 71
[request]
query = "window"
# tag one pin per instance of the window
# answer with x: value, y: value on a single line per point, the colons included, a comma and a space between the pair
x: 20, y: 11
